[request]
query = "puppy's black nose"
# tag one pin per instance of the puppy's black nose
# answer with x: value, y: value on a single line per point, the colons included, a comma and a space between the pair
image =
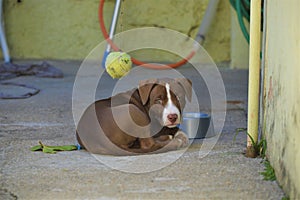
x: 172, y: 117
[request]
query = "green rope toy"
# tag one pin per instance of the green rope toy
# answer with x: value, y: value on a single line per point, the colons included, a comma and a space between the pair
x: 53, y: 149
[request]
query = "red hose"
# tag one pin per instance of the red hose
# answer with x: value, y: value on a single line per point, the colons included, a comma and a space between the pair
x: 135, y: 61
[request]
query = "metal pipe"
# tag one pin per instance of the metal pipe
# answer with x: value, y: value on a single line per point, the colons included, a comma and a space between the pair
x: 112, y: 29
x: 207, y: 20
x: 254, y: 71
x: 262, y: 73
x: 114, y: 22
x: 4, y: 47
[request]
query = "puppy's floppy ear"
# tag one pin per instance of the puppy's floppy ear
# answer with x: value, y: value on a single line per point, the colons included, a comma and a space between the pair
x: 145, y: 88
x: 186, y: 84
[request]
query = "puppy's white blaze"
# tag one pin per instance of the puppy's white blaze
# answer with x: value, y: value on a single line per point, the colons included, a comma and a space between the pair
x: 170, y: 108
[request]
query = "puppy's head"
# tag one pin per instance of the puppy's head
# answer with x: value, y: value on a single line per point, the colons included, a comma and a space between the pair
x: 165, y: 99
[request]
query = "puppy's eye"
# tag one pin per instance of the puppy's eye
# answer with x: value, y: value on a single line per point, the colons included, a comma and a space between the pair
x: 158, y: 101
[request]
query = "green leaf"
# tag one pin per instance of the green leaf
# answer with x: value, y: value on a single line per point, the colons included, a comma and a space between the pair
x: 252, y: 140
x: 237, y: 131
x: 262, y: 148
x: 259, y: 147
x: 269, y: 173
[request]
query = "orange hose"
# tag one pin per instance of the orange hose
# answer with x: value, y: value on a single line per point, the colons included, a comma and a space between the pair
x: 135, y: 61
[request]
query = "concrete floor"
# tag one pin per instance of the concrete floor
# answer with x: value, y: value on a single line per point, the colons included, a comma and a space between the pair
x: 223, y: 173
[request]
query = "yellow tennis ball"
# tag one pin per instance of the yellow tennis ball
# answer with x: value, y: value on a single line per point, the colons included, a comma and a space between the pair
x: 118, y: 64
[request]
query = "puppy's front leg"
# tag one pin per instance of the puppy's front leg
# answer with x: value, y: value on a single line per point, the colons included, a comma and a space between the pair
x: 163, y: 143
x: 181, y: 138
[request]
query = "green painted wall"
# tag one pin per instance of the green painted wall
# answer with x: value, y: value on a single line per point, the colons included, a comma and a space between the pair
x: 282, y: 92
x: 69, y: 29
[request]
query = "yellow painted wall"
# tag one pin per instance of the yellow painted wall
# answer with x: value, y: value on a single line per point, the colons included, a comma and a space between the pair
x: 55, y: 29
x: 69, y: 29
x: 239, y: 45
x: 282, y: 92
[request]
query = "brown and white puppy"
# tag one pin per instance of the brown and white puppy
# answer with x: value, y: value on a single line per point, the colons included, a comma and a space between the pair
x: 143, y: 120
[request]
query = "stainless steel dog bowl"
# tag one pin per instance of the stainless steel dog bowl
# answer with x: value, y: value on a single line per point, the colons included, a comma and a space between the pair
x: 197, y: 125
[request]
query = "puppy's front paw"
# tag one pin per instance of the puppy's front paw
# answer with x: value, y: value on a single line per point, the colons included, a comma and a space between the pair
x: 164, y: 138
x: 182, y: 139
